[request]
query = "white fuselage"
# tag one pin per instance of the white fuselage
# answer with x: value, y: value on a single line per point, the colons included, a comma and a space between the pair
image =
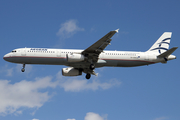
x: 94, y: 56
x: 59, y: 57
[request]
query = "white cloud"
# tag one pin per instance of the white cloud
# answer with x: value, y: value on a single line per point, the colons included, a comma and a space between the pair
x: 35, y: 119
x: 17, y: 112
x: 74, y: 85
x: 161, y: 118
x: 68, y: 29
x: 28, y: 94
x: 93, y: 116
x: 7, y: 71
x: 24, y: 94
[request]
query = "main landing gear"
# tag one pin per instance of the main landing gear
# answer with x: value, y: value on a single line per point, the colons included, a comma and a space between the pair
x: 91, y: 67
x: 23, y: 69
x: 88, y: 76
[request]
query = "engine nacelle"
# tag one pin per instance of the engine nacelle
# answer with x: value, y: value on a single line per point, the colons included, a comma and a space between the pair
x: 71, y: 72
x: 75, y: 57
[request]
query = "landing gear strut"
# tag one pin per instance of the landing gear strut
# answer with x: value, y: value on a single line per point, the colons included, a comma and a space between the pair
x: 23, y: 69
x: 91, y: 67
x: 88, y: 76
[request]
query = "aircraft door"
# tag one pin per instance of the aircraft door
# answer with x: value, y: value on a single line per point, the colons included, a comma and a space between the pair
x: 23, y: 52
x: 58, y: 53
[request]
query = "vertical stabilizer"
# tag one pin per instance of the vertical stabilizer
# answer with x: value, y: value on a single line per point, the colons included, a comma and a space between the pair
x: 162, y: 44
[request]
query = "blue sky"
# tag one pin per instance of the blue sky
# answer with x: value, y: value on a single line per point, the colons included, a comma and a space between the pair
x: 42, y: 93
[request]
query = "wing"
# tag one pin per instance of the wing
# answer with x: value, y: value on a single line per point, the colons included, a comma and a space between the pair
x: 92, y: 52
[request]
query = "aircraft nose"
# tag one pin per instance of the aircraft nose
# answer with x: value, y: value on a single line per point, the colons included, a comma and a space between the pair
x: 6, y: 57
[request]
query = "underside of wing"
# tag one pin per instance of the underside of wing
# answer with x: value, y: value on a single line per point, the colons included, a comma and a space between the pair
x: 94, y: 50
x: 101, y: 44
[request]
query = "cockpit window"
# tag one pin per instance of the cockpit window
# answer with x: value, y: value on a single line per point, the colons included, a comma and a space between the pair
x: 13, y: 51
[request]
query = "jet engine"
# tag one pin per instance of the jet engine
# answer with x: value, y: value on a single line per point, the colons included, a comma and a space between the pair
x: 75, y: 57
x: 71, y: 72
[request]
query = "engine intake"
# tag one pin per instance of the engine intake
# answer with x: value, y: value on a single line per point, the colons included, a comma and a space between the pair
x: 71, y: 72
x: 75, y: 57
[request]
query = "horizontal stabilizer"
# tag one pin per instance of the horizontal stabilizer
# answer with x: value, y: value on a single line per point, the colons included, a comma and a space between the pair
x: 167, y: 53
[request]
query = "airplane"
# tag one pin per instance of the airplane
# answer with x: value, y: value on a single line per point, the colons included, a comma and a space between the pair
x: 95, y: 56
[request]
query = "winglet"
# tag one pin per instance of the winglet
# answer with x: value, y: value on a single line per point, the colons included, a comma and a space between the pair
x: 117, y: 30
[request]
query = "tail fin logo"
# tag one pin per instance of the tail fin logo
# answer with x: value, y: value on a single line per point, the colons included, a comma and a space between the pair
x: 161, y: 44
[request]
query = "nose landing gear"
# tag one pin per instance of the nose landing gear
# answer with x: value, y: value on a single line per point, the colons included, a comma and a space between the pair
x: 23, y: 69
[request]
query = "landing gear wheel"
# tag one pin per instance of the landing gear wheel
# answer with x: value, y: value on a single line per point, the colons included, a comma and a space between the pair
x: 92, y: 66
x: 22, y: 69
x: 88, y: 76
